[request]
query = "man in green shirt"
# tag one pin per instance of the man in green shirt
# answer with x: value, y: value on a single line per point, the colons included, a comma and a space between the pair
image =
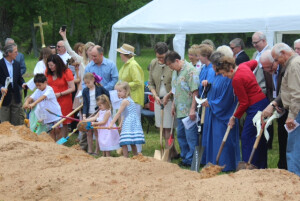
x: 185, y: 83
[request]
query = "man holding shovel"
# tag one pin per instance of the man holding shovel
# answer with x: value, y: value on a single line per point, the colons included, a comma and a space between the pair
x: 185, y: 82
x: 289, y: 97
x: 12, y: 100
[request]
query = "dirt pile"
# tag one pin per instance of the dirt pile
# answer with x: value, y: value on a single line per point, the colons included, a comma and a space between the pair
x: 36, y: 169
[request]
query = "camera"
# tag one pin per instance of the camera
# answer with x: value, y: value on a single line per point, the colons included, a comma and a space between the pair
x: 63, y: 27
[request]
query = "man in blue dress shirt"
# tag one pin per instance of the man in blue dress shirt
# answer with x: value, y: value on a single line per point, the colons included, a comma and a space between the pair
x: 103, y: 67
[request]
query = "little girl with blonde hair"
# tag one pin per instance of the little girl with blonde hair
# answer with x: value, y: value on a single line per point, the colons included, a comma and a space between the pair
x: 131, y: 127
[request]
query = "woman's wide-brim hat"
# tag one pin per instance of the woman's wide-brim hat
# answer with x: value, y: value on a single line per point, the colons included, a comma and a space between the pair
x: 126, y: 49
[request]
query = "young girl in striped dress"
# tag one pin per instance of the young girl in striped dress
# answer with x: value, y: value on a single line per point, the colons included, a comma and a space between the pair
x: 131, y: 127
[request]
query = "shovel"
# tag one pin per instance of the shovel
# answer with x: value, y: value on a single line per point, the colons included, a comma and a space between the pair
x: 195, y: 166
x: 62, y: 120
x: 159, y: 153
x: 7, y: 82
x: 248, y: 165
x: 26, y: 120
x: 166, y: 156
x: 64, y: 140
x: 84, y: 126
x: 73, y: 119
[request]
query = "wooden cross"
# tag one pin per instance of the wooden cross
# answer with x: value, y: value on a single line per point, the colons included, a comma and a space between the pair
x: 40, y: 24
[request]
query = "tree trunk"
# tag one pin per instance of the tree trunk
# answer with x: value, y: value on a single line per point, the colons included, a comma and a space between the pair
x: 152, y: 40
x: 6, y: 24
x: 33, y: 38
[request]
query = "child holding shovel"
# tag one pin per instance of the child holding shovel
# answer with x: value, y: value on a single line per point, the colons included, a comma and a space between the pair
x: 131, y: 132
x: 107, y: 139
x: 44, y: 98
x: 90, y: 93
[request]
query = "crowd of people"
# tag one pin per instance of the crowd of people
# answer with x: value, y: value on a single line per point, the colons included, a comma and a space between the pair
x: 234, y: 86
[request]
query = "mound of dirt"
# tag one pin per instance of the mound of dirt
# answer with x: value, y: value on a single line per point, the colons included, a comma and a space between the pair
x: 36, y: 169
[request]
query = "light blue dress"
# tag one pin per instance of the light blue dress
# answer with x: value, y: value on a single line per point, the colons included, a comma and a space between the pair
x: 132, y: 131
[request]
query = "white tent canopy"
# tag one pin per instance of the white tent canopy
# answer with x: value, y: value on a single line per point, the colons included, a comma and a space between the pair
x: 181, y: 17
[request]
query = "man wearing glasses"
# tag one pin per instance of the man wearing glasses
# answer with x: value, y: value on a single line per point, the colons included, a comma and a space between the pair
x: 297, y: 46
x: 259, y: 42
x: 237, y: 45
x: 62, y: 52
x: 277, y: 72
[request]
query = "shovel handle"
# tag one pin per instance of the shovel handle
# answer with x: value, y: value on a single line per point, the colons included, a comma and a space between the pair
x: 73, y: 119
x: 70, y: 114
x: 225, y: 138
x: 2, y: 98
x: 202, y: 115
x: 222, y: 144
x: 161, y: 127
x: 105, y: 128
x: 256, y: 142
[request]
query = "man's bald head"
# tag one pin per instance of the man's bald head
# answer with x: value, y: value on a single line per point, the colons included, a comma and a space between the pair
x: 97, y: 54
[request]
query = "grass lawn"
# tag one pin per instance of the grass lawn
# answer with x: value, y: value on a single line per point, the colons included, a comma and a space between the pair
x: 152, y: 138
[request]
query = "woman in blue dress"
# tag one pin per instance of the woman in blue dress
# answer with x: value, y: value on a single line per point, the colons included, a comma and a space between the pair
x: 220, y: 106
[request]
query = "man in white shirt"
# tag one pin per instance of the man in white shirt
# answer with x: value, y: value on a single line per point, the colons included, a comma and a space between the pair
x: 62, y: 52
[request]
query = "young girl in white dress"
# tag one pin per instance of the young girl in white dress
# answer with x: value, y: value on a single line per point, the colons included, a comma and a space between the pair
x: 108, y: 139
x: 132, y: 131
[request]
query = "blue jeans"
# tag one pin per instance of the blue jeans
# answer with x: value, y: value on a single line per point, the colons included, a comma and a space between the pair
x: 292, y: 149
x: 248, y: 137
x: 187, y: 140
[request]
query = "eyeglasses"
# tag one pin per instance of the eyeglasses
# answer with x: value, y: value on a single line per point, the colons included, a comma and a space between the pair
x: 255, y: 43
x: 232, y: 48
x: 59, y: 46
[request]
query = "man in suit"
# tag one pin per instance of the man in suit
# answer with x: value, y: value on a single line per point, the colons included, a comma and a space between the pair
x: 19, y: 58
x: 237, y: 45
x: 297, y: 46
x: 12, y: 103
x: 259, y: 42
x: 277, y: 72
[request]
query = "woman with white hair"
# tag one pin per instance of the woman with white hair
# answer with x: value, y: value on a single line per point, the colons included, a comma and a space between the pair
x: 220, y: 105
x: 251, y: 99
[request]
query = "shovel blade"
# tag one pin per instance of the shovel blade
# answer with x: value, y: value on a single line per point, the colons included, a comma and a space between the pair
x: 158, y: 155
x: 62, y: 140
x: 243, y: 166
x: 166, y: 155
x: 196, y: 159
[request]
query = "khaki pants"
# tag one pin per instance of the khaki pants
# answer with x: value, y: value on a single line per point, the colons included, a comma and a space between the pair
x: 12, y: 113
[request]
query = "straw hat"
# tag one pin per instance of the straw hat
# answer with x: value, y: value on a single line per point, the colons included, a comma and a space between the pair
x: 126, y: 49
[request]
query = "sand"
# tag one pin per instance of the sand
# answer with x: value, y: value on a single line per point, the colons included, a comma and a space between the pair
x: 35, y: 168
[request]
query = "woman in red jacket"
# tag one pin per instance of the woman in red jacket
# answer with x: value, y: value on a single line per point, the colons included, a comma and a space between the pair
x: 251, y: 99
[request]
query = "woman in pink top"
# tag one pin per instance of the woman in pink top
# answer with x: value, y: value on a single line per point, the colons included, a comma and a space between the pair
x: 251, y: 99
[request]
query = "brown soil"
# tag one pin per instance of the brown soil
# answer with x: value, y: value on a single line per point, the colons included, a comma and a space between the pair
x: 35, y: 168
x: 210, y: 171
